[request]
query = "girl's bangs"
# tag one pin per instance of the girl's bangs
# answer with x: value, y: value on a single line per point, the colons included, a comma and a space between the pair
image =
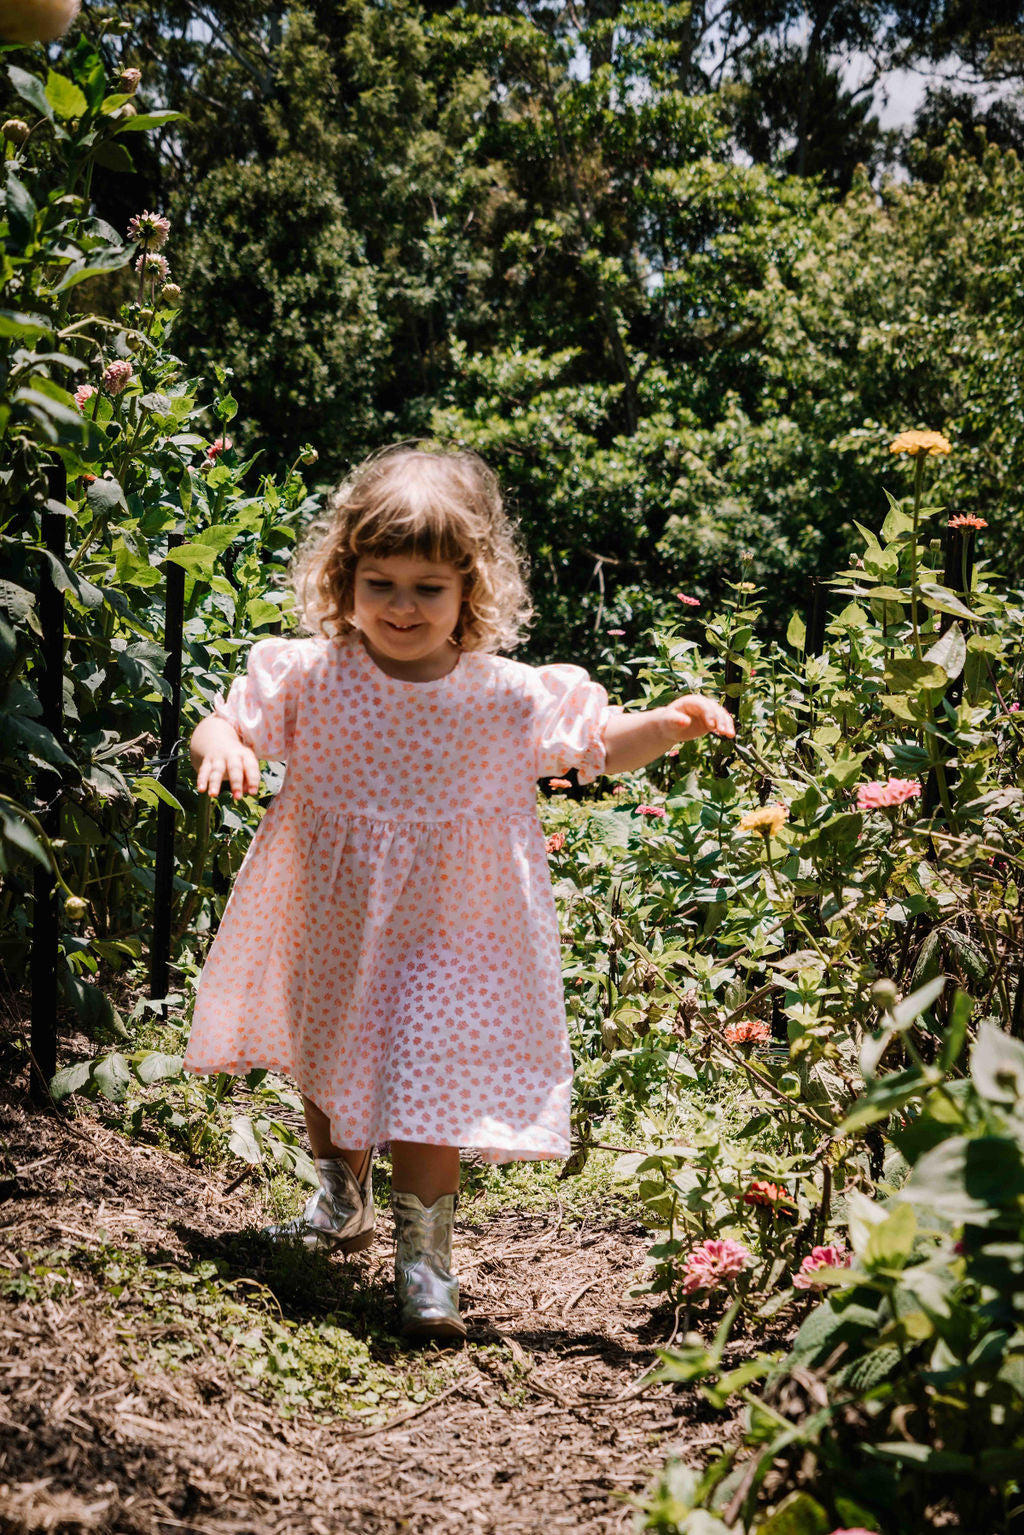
x: 433, y: 531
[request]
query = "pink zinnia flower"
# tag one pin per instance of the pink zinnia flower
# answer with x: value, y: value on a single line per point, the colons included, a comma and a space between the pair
x: 652, y: 810
x: 559, y: 783
x: 152, y: 265
x: 218, y: 446
x: 877, y: 796
x: 83, y: 394
x: 691, y: 602
x: 859, y: 1530
x: 817, y: 1259
x: 151, y: 227
x: 712, y: 1263
x: 749, y: 1031
x: 116, y: 377
x: 555, y: 842
x: 616, y: 632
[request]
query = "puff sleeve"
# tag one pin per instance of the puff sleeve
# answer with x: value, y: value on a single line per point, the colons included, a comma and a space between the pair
x: 569, y: 726
x: 262, y: 706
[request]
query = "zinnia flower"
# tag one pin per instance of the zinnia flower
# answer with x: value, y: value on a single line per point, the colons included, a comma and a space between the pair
x: 218, y: 446
x: 877, y: 796
x: 152, y: 265
x: 128, y: 81
x: 768, y: 820
x: 920, y: 442
x: 748, y: 1031
x: 651, y: 810
x: 616, y: 632
x: 858, y: 1530
x: 151, y: 227
x: 116, y: 377
x: 712, y: 1263
x: 966, y: 520
x: 771, y: 1195
x: 555, y: 842
x: 559, y: 783
x: 817, y: 1259
x: 691, y: 602
x: 83, y: 394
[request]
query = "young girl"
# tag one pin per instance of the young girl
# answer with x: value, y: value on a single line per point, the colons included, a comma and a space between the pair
x: 391, y: 941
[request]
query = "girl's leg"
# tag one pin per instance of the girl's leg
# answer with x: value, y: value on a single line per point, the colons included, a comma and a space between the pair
x: 426, y: 1171
x: 318, y: 1128
x: 424, y: 1193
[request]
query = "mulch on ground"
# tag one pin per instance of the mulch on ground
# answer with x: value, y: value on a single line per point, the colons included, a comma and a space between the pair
x: 542, y: 1423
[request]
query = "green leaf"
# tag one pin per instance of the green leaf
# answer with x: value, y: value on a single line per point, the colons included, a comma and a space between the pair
x: 70, y: 1079
x: 64, y: 96
x: 199, y: 560
x: 924, y: 1456
x: 904, y: 1013
x: 949, y: 652
x: 799, y: 1514
x: 92, y: 266
x: 21, y: 210
x: 911, y: 676
x: 155, y: 1066
x: 975, y: 1181
x: 243, y: 1140
x: 30, y: 88
x: 143, y: 121
x: 796, y: 633
x: 997, y: 1066
x: 942, y: 600
x: 152, y: 792
x: 891, y: 1242
x: 24, y: 327
x: 106, y: 496
x: 20, y: 835
x: 114, y: 157
x: 113, y: 1077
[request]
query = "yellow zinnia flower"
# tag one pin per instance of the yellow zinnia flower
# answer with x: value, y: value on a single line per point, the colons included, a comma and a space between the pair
x: 769, y: 820
x: 921, y: 442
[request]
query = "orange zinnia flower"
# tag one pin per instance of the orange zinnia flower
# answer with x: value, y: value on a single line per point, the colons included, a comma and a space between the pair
x: 921, y: 442
x: 559, y: 783
x: 966, y: 520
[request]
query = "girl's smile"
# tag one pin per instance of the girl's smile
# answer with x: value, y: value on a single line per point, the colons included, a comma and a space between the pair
x: 407, y: 610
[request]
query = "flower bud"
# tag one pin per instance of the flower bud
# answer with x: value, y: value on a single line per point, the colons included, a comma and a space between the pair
x: 16, y: 130
x: 170, y: 293
x: 145, y: 316
x: 75, y: 909
x: 309, y: 455
x: 116, y: 377
x: 885, y: 994
x: 133, y: 341
x: 128, y: 83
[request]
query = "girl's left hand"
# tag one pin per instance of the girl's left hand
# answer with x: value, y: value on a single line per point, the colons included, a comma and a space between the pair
x: 695, y: 716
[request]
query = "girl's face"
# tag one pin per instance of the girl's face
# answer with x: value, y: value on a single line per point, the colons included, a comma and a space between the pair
x: 407, y: 610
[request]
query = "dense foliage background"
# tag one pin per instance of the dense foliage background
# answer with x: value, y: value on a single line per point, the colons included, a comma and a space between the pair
x: 658, y: 262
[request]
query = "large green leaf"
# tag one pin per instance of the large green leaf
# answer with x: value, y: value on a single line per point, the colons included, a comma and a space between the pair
x: 64, y: 96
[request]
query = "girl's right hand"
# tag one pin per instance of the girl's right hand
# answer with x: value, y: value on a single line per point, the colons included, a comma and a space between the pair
x: 237, y: 765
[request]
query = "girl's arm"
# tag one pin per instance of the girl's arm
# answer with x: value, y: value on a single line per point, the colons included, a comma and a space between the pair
x: 219, y: 754
x: 633, y: 740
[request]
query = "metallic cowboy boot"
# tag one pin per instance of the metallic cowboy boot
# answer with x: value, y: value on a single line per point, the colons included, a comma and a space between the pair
x: 427, y: 1291
x: 339, y: 1214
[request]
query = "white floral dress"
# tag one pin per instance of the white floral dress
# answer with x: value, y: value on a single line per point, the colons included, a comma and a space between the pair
x: 391, y: 940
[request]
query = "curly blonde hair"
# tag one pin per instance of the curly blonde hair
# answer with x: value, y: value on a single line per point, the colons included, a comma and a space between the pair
x: 410, y: 500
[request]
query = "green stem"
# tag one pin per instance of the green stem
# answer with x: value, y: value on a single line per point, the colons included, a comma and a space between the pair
x: 918, y: 483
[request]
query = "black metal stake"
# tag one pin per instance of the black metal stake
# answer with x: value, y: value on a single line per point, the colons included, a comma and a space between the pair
x: 959, y: 564
x: 44, y: 963
x: 170, y: 727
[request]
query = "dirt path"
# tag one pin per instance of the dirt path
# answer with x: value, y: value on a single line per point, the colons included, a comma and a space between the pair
x: 113, y: 1418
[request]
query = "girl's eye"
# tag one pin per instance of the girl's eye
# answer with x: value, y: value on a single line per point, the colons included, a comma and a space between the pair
x: 429, y: 591
x: 378, y: 586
